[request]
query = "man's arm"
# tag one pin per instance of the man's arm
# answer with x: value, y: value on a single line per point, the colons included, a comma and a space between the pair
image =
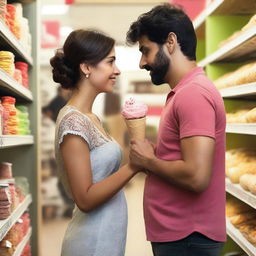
x: 193, y: 172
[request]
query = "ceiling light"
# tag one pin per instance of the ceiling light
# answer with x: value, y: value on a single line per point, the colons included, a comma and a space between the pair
x: 57, y: 9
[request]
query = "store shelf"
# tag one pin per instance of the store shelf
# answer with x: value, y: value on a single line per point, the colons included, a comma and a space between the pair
x: 222, y: 7
x: 7, y: 141
x: 236, y: 235
x: 237, y: 191
x: 12, y: 42
x: 148, y: 98
x: 249, y: 129
x: 14, y: 87
x: 241, y: 48
x: 238, y: 91
x: 5, y: 225
x: 23, y: 243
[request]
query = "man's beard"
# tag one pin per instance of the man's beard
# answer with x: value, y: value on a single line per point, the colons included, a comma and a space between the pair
x: 159, y: 68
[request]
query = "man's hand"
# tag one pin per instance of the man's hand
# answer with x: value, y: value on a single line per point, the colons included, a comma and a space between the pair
x: 141, y: 152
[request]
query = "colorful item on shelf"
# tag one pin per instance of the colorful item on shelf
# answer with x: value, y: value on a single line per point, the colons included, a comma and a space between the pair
x: 23, y: 67
x: 17, y: 75
x: 23, y: 120
x: 11, y: 123
x: 7, y: 62
x: 12, y: 20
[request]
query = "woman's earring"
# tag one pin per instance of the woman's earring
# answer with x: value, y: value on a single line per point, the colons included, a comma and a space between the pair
x: 87, y: 76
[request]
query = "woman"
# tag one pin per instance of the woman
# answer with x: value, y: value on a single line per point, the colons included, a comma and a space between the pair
x: 88, y: 158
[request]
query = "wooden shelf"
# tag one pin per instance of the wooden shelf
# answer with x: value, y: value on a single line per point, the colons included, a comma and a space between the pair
x: 238, y: 91
x: 241, y: 48
x: 23, y: 243
x: 5, y: 225
x: 249, y: 128
x: 7, y: 141
x: 237, y: 191
x: 222, y: 7
x: 12, y: 42
x: 9, y: 83
x: 236, y: 235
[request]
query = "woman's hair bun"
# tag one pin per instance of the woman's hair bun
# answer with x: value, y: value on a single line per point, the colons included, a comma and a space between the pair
x: 61, y: 73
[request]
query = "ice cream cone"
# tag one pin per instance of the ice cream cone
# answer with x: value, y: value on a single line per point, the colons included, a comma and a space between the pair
x: 136, y: 128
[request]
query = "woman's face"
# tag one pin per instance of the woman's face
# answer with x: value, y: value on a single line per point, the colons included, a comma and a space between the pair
x: 103, y: 75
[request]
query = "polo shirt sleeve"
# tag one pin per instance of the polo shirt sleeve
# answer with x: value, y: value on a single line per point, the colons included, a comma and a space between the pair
x: 195, y: 112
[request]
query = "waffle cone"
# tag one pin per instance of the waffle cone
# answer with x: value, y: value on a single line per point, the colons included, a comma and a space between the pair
x: 136, y: 128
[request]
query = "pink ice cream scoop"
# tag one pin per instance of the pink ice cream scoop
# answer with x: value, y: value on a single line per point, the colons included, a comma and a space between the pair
x: 133, y: 109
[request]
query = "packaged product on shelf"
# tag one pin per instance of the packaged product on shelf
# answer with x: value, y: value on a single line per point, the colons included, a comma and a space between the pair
x: 7, y: 62
x: 17, y: 76
x: 5, y: 201
x: 12, y: 20
x: 11, y: 124
x: 23, y: 67
x: 6, y: 170
x: 23, y: 120
x: 2, y: 9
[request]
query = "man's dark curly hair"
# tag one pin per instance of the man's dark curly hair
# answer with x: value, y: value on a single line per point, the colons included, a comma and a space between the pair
x: 159, y: 22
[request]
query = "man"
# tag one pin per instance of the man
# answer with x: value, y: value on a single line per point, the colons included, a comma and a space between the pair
x: 184, y: 196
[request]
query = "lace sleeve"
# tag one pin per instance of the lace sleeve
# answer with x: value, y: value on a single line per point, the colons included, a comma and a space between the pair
x: 74, y: 123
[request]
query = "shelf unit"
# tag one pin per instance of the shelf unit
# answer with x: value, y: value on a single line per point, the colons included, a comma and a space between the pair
x: 14, y: 44
x: 249, y: 129
x: 237, y: 191
x: 241, y: 48
x: 5, y: 225
x: 23, y: 243
x: 236, y: 235
x: 216, y: 23
x: 23, y: 151
x: 239, y: 91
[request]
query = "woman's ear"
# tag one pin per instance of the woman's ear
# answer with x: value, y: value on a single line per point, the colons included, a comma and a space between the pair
x: 171, y: 42
x: 85, y: 69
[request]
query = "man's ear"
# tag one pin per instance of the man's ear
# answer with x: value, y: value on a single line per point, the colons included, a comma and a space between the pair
x: 85, y: 69
x: 171, y: 42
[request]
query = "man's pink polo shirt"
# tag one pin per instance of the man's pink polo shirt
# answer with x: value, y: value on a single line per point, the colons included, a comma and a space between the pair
x: 193, y: 108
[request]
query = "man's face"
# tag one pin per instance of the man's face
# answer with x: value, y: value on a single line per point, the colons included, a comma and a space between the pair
x: 154, y: 59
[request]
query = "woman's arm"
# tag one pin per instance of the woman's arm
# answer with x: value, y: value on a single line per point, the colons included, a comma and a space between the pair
x: 88, y: 196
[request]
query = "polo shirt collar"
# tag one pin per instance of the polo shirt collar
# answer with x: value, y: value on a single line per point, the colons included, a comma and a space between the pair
x: 194, y: 72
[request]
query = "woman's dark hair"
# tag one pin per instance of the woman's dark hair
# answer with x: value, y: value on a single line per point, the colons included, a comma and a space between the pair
x: 88, y: 46
x: 159, y: 22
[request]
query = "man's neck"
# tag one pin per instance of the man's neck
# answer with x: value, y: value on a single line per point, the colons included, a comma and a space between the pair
x: 179, y: 71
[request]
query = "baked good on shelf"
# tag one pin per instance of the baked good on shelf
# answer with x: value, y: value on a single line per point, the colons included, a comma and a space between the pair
x: 243, y: 217
x: 251, y: 116
x: 235, y: 207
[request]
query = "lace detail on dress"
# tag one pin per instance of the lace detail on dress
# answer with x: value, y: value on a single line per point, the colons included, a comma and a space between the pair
x: 77, y: 123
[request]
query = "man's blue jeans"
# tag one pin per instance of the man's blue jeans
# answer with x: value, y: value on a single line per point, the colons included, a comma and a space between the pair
x: 195, y: 244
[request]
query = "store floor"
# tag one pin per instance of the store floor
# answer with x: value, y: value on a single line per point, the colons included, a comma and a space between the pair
x: 53, y: 230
